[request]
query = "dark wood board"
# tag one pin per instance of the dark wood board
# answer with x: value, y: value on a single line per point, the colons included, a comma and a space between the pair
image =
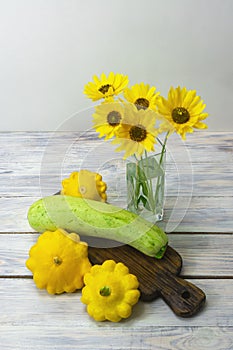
x: 157, y: 277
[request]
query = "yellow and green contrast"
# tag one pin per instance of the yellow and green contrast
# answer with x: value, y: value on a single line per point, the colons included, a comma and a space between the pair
x: 110, y: 291
x: 58, y: 262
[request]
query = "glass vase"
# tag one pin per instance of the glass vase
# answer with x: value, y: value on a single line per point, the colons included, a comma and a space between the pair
x: 146, y: 184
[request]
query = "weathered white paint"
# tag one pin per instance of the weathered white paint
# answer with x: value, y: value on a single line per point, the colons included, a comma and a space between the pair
x: 203, y: 254
x: 23, y: 304
x: 216, y: 213
x: 33, y: 319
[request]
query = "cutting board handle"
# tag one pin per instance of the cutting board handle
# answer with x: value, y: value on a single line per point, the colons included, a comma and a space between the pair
x: 183, y: 297
x: 157, y: 277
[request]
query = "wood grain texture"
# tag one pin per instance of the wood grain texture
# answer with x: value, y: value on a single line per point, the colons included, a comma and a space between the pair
x: 198, y: 179
x: 33, y: 164
x: 74, y: 337
x: 159, y: 338
x: 145, y: 268
x: 203, y: 255
x: 22, y: 304
x: 157, y: 277
x: 203, y: 214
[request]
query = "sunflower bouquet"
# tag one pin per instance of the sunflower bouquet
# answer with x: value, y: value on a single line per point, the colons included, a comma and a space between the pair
x: 136, y: 118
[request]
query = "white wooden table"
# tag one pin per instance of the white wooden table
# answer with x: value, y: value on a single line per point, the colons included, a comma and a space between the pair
x: 33, y: 164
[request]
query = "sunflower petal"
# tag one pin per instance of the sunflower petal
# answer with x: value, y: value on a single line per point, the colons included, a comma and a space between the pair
x: 189, y: 98
x: 200, y: 125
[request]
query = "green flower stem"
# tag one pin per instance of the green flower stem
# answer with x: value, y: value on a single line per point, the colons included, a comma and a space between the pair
x: 137, y: 185
x: 160, y: 162
x: 163, y: 148
x: 150, y: 185
x: 105, y: 291
x: 144, y: 177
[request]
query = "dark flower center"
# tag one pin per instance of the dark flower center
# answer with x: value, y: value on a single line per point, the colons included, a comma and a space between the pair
x: 142, y: 103
x: 104, y: 88
x: 114, y: 118
x: 138, y: 133
x: 180, y: 115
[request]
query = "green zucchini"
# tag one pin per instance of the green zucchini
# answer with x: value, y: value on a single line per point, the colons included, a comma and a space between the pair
x: 96, y: 219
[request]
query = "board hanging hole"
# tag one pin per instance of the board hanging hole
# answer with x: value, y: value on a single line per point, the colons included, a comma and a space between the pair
x: 185, y: 294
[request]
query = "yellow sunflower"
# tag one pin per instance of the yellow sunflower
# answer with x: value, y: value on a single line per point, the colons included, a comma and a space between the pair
x: 183, y: 110
x: 137, y: 132
x: 105, y: 87
x: 107, y: 118
x: 143, y: 96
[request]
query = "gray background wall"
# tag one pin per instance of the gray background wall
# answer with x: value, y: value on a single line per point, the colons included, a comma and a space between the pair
x: 51, y: 48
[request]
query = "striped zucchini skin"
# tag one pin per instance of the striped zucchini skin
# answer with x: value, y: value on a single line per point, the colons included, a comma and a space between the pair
x: 96, y: 219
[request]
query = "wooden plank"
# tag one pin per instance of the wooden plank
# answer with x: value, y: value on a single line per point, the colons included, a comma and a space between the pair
x: 55, y: 166
x: 61, y: 321
x: 113, y: 337
x: 71, y: 147
x: 67, y: 309
x: 36, y: 166
x: 29, y: 138
x: 201, y: 147
x: 200, y: 181
x: 203, y: 255
x: 13, y: 213
x: 198, y: 220
x: 203, y: 214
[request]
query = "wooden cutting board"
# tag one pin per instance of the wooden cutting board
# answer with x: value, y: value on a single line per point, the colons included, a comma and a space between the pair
x: 157, y: 277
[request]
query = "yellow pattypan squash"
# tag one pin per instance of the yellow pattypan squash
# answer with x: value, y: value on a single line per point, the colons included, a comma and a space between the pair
x: 59, y: 262
x: 110, y: 291
x: 86, y: 184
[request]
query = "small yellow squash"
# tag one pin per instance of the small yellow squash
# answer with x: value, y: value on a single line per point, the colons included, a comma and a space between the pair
x: 85, y: 184
x: 110, y: 291
x: 58, y: 262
